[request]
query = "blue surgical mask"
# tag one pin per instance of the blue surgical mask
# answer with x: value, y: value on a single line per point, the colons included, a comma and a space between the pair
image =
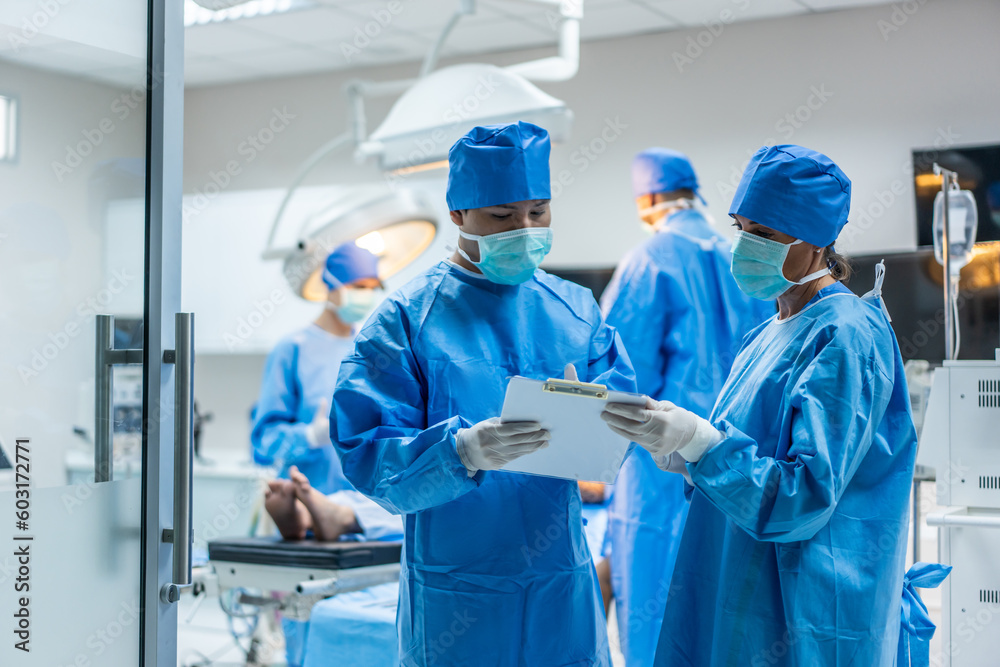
x: 355, y: 303
x: 758, y: 263
x: 510, y: 258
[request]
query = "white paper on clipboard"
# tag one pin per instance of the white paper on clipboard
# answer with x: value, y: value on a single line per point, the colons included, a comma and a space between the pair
x: 582, y: 446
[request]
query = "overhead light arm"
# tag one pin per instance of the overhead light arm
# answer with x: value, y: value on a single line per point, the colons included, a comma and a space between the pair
x: 564, y: 66
x: 556, y: 68
x: 465, y: 8
x: 335, y: 144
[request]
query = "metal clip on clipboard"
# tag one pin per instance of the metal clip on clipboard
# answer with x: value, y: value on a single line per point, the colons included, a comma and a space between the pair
x: 582, y: 447
x: 589, y: 389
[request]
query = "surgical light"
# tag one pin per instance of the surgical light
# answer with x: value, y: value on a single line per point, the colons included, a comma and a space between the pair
x: 441, y: 107
x: 397, y: 226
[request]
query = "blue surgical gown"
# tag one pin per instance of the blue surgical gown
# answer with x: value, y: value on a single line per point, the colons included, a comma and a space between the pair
x: 300, y: 372
x: 496, y: 568
x: 795, y: 542
x: 682, y: 319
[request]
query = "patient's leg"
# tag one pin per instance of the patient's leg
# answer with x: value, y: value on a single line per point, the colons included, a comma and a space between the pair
x: 288, y: 512
x: 329, y: 520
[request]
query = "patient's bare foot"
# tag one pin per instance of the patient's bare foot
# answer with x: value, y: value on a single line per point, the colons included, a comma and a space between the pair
x: 288, y: 512
x: 329, y: 520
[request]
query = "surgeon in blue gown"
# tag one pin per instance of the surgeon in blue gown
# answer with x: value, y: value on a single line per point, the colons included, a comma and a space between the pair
x: 682, y: 319
x: 496, y: 568
x: 795, y: 542
x: 291, y: 418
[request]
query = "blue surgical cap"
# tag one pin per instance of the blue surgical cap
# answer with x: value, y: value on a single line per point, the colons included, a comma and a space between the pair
x: 498, y: 164
x: 662, y: 170
x: 796, y: 191
x: 347, y: 263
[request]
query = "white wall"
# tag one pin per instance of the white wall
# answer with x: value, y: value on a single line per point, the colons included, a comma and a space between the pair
x: 885, y: 91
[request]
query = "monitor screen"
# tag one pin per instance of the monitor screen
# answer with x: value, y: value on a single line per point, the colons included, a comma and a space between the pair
x: 978, y: 169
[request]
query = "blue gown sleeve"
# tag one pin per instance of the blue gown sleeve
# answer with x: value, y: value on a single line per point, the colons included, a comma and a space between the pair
x: 378, y: 424
x: 276, y: 435
x: 637, y: 305
x: 837, y: 404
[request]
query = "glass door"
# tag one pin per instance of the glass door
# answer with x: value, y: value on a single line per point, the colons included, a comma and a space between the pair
x: 94, y: 362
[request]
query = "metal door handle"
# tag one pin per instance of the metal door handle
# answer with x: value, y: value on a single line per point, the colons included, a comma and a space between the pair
x: 106, y: 358
x: 180, y: 535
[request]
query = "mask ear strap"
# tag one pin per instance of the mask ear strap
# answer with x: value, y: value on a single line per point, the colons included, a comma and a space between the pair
x: 461, y: 251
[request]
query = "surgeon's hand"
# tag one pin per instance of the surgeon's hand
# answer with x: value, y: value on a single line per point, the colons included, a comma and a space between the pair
x: 318, y: 433
x: 661, y: 428
x: 490, y: 444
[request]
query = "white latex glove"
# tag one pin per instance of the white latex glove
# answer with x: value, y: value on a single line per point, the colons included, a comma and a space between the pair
x: 661, y: 427
x: 490, y: 444
x: 318, y: 433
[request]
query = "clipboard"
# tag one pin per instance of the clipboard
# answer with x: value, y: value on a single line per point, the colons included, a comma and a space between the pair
x: 582, y: 448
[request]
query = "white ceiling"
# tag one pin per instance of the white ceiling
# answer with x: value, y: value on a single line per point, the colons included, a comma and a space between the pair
x: 322, y: 38
x: 325, y: 35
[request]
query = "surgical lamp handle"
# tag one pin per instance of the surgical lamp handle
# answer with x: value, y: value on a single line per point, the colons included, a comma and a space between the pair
x: 337, y: 142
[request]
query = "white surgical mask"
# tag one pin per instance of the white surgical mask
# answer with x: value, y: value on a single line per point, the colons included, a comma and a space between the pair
x: 510, y: 258
x: 758, y: 266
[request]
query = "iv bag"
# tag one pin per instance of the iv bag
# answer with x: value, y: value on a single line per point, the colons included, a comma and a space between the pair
x: 962, y: 224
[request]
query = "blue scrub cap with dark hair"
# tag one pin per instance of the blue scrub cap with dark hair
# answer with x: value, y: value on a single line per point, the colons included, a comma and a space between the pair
x: 662, y: 170
x: 347, y: 263
x: 797, y: 191
x: 498, y: 164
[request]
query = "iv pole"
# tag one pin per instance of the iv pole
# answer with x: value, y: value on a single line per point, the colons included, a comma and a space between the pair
x: 949, y: 333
